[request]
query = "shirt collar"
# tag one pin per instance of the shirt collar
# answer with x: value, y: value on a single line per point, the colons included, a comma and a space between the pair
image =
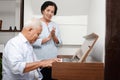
x: 22, y: 37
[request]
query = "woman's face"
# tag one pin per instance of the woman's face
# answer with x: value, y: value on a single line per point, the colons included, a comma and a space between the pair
x: 48, y: 12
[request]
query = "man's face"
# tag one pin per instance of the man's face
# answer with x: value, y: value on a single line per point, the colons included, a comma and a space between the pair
x: 33, y: 34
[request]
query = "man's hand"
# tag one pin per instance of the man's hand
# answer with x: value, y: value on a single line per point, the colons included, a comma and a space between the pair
x: 48, y: 62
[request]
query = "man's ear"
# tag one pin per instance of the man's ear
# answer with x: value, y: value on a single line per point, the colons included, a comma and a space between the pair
x: 29, y: 28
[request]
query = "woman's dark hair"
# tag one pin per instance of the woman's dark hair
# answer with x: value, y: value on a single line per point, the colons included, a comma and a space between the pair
x: 48, y: 3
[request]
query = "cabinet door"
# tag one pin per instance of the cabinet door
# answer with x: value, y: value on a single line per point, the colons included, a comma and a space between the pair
x: 112, y: 54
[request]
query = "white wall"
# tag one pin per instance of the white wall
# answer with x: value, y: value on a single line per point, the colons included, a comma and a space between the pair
x: 65, y: 7
x: 28, y: 12
x: 96, y: 23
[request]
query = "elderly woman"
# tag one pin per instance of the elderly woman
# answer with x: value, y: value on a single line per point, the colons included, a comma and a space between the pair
x: 47, y: 44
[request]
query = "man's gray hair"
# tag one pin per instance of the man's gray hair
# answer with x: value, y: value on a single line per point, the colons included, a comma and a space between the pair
x: 35, y: 23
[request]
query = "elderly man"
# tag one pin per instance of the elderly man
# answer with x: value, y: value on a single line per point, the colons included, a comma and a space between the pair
x: 19, y: 60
